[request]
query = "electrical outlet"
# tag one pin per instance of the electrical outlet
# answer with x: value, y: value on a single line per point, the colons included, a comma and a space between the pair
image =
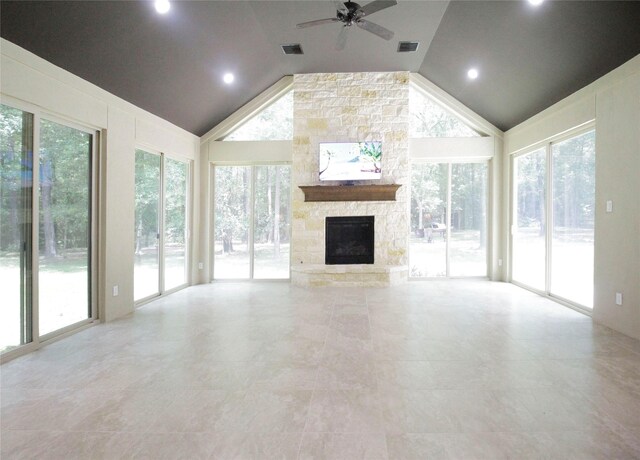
x: 115, y: 290
x: 200, y: 266
x: 618, y: 298
x: 609, y: 206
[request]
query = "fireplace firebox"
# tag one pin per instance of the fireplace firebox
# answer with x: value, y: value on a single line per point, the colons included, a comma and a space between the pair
x: 349, y: 240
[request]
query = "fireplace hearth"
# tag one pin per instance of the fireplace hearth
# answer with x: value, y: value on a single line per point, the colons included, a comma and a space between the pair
x: 349, y: 240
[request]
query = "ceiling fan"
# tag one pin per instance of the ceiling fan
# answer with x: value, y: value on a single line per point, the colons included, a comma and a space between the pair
x: 350, y: 13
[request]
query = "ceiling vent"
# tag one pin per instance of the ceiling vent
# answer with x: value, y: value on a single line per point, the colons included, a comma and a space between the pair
x: 407, y: 47
x: 292, y: 49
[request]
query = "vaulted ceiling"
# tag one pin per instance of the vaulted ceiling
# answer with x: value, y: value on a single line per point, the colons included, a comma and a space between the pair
x: 172, y: 65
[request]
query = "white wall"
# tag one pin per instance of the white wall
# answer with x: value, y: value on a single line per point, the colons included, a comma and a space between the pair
x: 613, y: 102
x: 30, y: 79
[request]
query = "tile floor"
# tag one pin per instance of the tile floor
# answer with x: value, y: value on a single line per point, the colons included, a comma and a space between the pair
x: 438, y: 369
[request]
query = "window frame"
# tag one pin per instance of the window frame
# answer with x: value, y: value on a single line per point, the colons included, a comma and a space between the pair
x: 547, y: 145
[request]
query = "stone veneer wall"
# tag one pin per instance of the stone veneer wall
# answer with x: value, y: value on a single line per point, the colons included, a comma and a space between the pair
x: 350, y: 107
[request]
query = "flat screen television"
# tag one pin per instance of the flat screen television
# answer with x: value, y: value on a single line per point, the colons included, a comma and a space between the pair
x: 350, y: 161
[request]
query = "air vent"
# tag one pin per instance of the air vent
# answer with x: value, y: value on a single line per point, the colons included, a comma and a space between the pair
x: 407, y: 47
x: 292, y: 49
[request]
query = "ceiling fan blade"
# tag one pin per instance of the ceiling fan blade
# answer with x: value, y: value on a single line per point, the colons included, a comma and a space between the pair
x: 377, y: 5
x: 375, y: 29
x: 317, y: 22
x: 342, y: 38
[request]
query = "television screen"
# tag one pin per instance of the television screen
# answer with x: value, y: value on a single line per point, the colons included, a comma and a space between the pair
x: 350, y: 161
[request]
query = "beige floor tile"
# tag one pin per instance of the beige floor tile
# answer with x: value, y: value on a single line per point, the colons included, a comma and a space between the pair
x: 343, y: 446
x: 282, y: 375
x: 413, y: 446
x: 44, y: 409
x: 169, y: 446
x: 497, y: 445
x: 25, y: 444
x: 417, y: 375
x: 619, y: 403
x: 197, y: 411
x: 560, y: 408
x: 118, y: 410
x: 479, y: 411
x: 416, y: 411
x: 341, y: 370
x: 442, y: 369
x: 269, y: 411
x: 344, y: 411
x: 424, y: 350
x: 305, y: 350
x: 249, y: 446
x: 593, y: 444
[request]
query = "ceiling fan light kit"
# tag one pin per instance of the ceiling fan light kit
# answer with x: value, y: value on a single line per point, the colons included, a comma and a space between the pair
x: 350, y: 13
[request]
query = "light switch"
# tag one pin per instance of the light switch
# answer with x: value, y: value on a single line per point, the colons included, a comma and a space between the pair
x: 618, y: 298
x: 609, y: 206
x: 115, y: 290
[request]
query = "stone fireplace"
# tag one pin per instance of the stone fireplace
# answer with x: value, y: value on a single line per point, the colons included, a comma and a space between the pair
x: 350, y: 107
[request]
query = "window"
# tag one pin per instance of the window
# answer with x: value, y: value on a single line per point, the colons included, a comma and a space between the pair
x: 273, y: 123
x: 553, y: 219
x: 444, y: 243
x: 161, y: 249
x: 428, y: 119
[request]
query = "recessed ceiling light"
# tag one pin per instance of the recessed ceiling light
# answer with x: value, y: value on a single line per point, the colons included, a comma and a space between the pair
x: 162, y: 6
x: 536, y: 2
x: 472, y: 73
x: 228, y: 78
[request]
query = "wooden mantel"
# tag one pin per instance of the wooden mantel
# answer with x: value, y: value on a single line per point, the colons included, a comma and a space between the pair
x: 381, y: 192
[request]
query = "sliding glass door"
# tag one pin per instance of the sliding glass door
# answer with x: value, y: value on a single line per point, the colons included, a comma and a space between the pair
x: 529, y: 230
x: 271, y: 222
x: 47, y: 242
x: 176, y: 180
x: 429, y: 201
x: 16, y: 189
x: 468, y: 235
x: 251, y: 222
x: 146, y: 269
x: 572, y: 235
x: 444, y: 243
x: 64, y: 226
x: 161, y: 203
x: 553, y: 219
x: 233, y: 189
